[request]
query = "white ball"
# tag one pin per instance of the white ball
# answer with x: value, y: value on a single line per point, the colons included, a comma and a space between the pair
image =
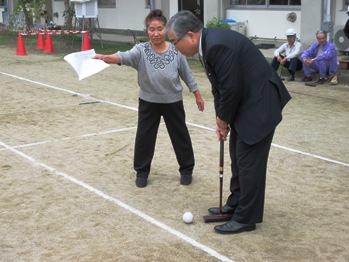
x: 187, y: 217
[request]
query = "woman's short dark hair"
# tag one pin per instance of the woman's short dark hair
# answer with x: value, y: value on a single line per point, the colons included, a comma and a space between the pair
x: 155, y: 14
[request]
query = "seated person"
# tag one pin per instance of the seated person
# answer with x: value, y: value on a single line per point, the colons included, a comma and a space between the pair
x: 320, y: 57
x: 288, y: 54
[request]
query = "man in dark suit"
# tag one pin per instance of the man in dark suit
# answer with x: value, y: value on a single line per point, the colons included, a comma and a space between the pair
x: 248, y: 99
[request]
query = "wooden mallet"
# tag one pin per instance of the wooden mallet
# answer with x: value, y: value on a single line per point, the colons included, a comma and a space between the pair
x: 219, y: 217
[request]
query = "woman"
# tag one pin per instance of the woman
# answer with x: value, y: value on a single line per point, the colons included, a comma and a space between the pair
x: 160, y: 67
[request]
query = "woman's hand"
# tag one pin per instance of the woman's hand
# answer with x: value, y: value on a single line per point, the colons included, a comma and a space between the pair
x: 110, y: 59
x: 199, y: 101
x: 98, y: 56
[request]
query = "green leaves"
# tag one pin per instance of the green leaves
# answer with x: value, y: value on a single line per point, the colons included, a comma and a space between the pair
x: 217, y: 23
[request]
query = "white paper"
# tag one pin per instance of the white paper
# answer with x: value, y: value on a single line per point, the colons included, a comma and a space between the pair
x: 83, y: 63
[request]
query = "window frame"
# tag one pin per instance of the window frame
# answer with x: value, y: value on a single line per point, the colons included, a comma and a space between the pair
x: 266, y: 6
x: 106, y: 6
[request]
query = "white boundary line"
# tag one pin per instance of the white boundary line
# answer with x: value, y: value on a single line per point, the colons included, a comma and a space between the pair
x: 118, y: 202
x: 191, y: 124
x: 86, y: 96
x: 73, y: 137
x: 311, y: 155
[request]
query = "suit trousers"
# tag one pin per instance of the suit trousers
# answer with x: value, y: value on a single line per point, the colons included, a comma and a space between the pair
x: 149, y: 115
x: 247, y: 184
x: 292, y: 66
x: 324, y: 67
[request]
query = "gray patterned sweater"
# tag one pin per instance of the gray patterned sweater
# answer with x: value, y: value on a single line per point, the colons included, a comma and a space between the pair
x: 159, y: 74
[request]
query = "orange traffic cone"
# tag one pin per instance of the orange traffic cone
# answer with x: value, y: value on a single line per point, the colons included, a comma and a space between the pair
x: 21, y: 51
x: 40, y: 43
x: 86, y: 42
x: 48, y: 44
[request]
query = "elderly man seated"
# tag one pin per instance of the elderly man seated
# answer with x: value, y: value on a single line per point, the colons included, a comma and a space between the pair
x: 288, y: 54
x: 321, y: 57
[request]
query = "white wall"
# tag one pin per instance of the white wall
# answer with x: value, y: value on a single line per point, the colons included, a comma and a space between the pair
x: 340, y: 16
x: 128, y: 14
x: 58, y: 6
x: 310, y: 23
x: 173, y: 6
x: 1, y: 10
x: 265, y: 23
x: 211, y: 9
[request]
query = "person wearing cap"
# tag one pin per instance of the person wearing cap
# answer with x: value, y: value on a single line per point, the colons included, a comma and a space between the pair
x: 288, y: 54
x: 320, y: 57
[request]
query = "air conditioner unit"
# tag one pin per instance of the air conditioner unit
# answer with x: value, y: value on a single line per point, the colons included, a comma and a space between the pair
x: 340, y: 40
x: 85, y: 9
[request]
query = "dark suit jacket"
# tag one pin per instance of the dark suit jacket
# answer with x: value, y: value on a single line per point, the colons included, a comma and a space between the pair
x: 346, y: 29
x: 248, y: 94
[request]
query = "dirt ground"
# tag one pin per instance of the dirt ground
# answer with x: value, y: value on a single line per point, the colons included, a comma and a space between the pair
x: 67, y: 189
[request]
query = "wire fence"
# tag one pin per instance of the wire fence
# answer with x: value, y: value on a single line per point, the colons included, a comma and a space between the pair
x: 17, y: 22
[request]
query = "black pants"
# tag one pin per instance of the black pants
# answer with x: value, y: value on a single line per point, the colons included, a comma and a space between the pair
x: 292, y: 66
x: 247, y: 184
x: 149, y: 115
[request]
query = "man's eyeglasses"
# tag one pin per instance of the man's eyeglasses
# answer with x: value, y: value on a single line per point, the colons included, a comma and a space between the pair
x: 175, y: 41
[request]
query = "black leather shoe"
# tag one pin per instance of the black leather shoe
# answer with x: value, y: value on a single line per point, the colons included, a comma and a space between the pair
x: 291, y: 78
x: 225, y: 210
x: 186, y: 180
x: 233, y: 227
x: 313, y: 83
x: 141, y: 180
x: 320, y: 81
x: 307, y: 79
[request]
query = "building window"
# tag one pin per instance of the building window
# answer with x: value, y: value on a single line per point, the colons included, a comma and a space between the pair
x: 2, y: 2
x: 265, y: 3
x: 278, y: 2
x: 256, y: 2
x: 106, y: 3
x: 248, y: 2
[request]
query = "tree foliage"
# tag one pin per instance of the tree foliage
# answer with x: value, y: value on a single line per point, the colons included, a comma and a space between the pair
x: 217, y: 23
x: 33, y: 10
x: 68, y: 14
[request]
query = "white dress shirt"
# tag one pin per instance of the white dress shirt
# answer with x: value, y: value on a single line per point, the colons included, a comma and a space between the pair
x: 289, y: 51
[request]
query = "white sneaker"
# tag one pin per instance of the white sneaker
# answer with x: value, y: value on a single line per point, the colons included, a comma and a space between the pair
x: 334, y: 80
